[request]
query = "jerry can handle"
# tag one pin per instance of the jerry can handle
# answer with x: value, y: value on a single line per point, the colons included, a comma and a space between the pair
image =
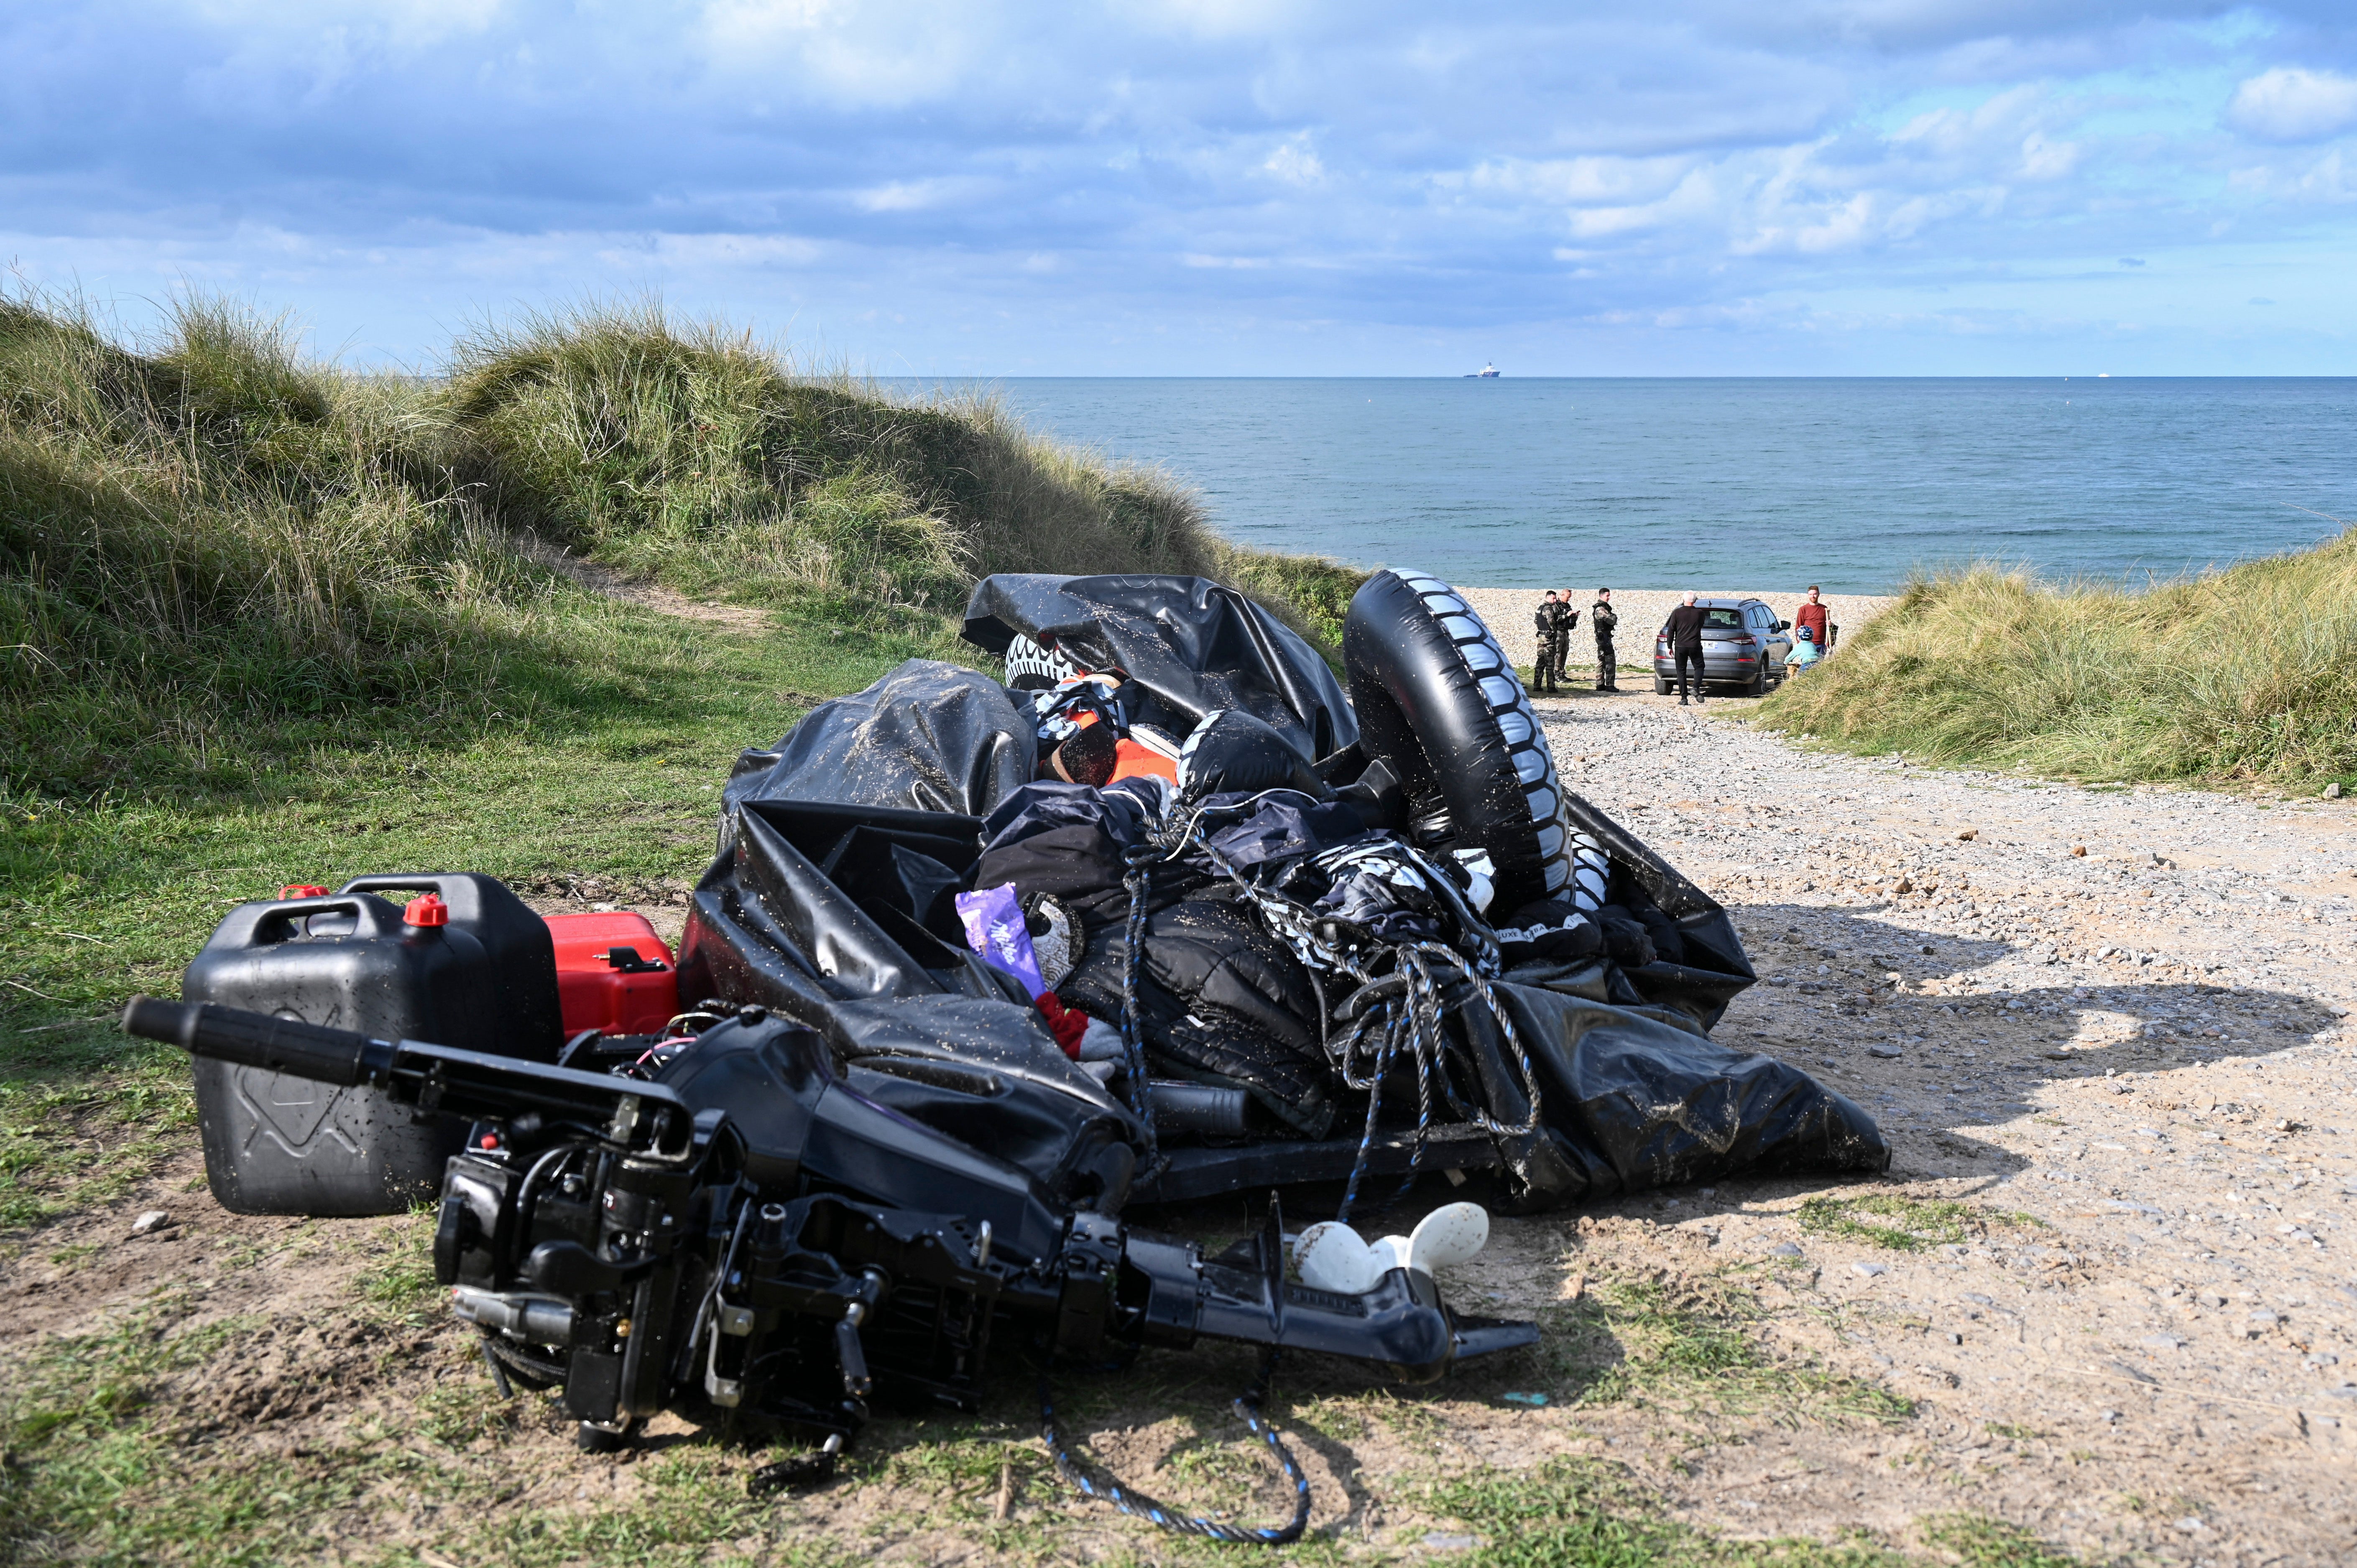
x: 394, y: 882
x: 273, y: 920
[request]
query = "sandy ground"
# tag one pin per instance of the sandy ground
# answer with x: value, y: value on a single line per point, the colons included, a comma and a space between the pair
x: 1642, y: 610
x: 2119, y: 1013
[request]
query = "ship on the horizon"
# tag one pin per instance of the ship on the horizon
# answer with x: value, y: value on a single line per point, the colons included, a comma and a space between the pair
x: 1486, y: 373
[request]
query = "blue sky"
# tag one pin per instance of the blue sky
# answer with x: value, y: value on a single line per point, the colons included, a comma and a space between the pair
x: 1224, y: 186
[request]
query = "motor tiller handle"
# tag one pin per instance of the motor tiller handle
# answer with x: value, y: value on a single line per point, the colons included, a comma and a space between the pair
x: 314, y: 1051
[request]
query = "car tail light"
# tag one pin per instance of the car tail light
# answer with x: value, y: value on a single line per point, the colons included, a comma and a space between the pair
x: 1746, y: 641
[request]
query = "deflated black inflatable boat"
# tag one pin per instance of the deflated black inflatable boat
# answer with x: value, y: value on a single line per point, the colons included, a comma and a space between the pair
x: 978, y: 966
x: 1199, y: 922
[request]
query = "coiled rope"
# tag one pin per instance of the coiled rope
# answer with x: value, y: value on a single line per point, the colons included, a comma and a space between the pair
x: 1139, y: 878
x: 1411, y: 1022
x: 1138, y: 1505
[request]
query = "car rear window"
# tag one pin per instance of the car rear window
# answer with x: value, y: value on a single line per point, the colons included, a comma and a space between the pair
x: 1722, y: 620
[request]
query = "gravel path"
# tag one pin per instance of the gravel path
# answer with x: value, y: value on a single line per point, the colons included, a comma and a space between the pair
x: 2117, y: 1016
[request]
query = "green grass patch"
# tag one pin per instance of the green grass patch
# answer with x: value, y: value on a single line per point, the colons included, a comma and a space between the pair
x: 2243, y: 675
x: 94, y: 1472
x: 691, y: 1507
x: 1582, y: 1513
x: 1904, y: 1224
x: 70, y: 1141
x: 401, y: 1280
x: 610, y: 770
x: 1692, y: 1345
x: 1979, y: 1541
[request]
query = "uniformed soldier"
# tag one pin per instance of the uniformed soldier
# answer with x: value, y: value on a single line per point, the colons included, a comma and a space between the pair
x: 1566, y: 619
x: 1601, y: 620
x: 1545, y: 624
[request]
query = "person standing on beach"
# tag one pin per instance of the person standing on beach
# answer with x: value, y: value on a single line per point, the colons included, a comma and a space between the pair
x: 1815, y: 616
x: 1601, y: 620
x: 1566, y: 619
x: 1683, y: 630
x: 1543, y: 629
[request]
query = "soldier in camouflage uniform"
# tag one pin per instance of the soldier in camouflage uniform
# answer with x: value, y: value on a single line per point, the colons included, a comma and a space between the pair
x: 1546, y: 633
x: 1566, y: 619
x: 1601, y: 620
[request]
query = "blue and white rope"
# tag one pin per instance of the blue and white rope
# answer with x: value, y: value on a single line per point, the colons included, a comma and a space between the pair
x: 1140, y: 878
x: 1138, y: 1505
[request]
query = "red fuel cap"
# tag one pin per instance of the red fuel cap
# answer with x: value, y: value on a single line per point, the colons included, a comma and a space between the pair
x: 301, y: 890
x: 428, y: 911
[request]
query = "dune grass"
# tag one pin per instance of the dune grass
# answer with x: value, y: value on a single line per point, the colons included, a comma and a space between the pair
x: 213, y: 544
x: 2242, y: 676
x: 216, y: 555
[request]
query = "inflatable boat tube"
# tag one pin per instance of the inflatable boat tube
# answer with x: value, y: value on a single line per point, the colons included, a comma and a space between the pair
x: 1438, y: 700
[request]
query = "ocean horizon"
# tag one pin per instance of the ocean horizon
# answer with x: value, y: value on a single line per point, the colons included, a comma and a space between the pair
x: 1856, y: 482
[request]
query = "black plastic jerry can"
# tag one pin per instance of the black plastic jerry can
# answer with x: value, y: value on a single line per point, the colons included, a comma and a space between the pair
x: 516, y: 942
x: 276, y: 1144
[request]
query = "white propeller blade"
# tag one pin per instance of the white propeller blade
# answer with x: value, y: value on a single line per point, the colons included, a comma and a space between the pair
x: 1330, y: 1255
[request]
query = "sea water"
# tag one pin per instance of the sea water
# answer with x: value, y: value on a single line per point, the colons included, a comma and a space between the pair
x: 1739, y: 483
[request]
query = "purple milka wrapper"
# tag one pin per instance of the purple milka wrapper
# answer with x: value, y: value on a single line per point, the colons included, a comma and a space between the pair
x: 994, y: 928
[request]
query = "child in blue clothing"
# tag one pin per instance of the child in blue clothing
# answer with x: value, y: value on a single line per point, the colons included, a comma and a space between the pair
x: 1805, y: 651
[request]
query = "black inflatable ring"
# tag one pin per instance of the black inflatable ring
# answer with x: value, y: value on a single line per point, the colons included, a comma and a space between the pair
x: 1438, y: 700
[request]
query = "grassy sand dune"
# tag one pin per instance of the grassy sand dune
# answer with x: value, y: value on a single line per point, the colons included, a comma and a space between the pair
x: 2245, y: 675
x: 216, y: 555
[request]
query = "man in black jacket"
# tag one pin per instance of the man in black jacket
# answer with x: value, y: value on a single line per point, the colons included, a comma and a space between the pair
x: 1683, y: 630
x: 1601, y: 620
x: 1565, y: 620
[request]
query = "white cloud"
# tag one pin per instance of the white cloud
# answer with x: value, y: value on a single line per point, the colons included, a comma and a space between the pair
x: 911, y: 195
x: 2302, y: 180
x: 880, y: 53
x: 733, y: 249
x: 2289, y: 104
x: 2045, y: 159
x: 1295, y: 163
x: 1575, y: 181
x: 1695, y: 196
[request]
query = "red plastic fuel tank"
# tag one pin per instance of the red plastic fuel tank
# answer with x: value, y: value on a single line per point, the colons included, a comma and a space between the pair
x: 613, y: 974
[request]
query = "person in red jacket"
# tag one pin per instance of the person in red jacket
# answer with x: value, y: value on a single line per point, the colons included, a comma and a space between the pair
x: 1813, y: 615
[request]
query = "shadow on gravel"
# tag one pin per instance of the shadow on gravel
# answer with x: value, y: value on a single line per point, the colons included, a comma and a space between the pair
x: 1976, y: 1056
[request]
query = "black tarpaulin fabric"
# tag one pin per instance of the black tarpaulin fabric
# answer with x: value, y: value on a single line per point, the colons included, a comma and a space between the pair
x: 1716, y: 969
x: 1633, y: 1094
x: 929, y: 737
x: 1633, y: 1100
x: 931, y: 1029
x: 1220, y: 1000
x: 1194, y: 646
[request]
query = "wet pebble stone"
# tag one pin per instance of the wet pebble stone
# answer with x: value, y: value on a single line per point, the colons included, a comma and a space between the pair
x: 150, y: 1222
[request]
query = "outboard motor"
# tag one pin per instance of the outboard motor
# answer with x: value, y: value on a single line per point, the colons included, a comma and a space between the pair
x: 743, y: 1235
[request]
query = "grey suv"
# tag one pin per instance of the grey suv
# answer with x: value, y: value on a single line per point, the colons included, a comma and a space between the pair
x: 1743, y: 644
